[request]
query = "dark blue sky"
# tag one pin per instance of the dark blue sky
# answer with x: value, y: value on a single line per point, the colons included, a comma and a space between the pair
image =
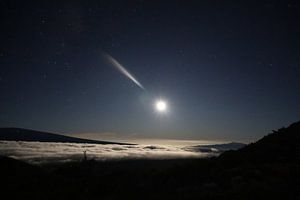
x: 228, y: 70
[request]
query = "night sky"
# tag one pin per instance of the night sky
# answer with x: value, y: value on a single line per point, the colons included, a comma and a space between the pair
x: 227, y: 70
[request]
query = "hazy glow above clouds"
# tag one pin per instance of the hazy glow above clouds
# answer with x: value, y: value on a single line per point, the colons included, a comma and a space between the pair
x: 43, y: 152
x: 139, y: 139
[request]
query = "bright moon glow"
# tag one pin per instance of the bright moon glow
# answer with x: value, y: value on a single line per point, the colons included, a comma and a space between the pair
x: 161, y: 106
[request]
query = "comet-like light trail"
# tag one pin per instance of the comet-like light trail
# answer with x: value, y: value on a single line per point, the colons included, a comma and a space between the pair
x: 123, y: 70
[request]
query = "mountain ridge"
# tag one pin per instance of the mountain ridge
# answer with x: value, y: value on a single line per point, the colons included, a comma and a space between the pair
x: 21, y: 134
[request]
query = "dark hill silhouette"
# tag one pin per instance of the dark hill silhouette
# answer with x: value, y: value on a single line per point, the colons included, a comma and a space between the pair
x: 266, y: 169
x: 281, y: 145
x: 19, y: 134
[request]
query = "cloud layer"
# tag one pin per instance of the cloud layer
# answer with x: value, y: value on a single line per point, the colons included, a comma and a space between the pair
x: 43, y: 152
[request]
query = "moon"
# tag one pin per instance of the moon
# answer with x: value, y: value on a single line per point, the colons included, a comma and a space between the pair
x: 161, y: 105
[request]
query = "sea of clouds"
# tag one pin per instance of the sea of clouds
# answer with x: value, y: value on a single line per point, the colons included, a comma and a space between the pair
x: 45, y: 152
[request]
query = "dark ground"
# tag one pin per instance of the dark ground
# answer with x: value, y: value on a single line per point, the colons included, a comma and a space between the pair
x: 267, y: 169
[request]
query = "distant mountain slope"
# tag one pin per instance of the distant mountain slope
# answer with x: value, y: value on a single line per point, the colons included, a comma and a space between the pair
x: 19, y: 134
x: 219, y: 148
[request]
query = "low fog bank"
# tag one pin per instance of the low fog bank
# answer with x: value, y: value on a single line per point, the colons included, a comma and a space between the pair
x: 45, y: 152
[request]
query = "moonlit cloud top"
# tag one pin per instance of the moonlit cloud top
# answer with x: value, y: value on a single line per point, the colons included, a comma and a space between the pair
x: 44, y: 152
